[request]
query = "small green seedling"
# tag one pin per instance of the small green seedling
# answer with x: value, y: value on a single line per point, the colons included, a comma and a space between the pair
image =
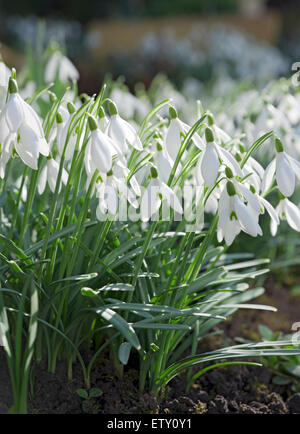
x: 285, y: 368
x: 88, y: 396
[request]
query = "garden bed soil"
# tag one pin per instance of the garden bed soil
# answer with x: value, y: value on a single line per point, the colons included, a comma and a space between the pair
x: 232, y: 390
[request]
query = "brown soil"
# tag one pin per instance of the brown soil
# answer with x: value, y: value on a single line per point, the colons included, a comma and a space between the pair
x: 245, y: 323
x: 236, y: 389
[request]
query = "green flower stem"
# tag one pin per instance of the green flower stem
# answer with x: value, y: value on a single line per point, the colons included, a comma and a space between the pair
x: 183, y: 147
x: 75, y: 170
x: 77, y: 235
x: 194, y: 268
x: 28, y: 208
x: 99, y: 244
x: 255, y: 146
x: 16, y: 210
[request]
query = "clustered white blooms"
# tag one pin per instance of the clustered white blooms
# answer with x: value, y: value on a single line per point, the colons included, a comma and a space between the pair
x: 21, y: 129
x: 233, y: 184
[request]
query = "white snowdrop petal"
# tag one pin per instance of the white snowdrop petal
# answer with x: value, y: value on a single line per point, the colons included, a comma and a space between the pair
x: 173, y: 139
x: 112, y: 198
x: 29, y: 140
x: 14, y: 112
x: 295, y: 165
x: 53, y: 168
x: 231, y: 230
x: 198, y: 173
x: 51, y: 68
x: 100, y: 151
x: 67, y: 70
x: 171, y: 198
x: 285, y: 176
x: 135, y: 185
x: 292, y: 213
x: 32, y: 119
x: 273, y: 228
x: 4, y: 130
x: 268, y: 176
x: 256, y: 166
x: 250, y: 197
x: 29, y: 159
x: 150, y: 202
x: 195, y: 138
x: 41, y: 185
x: 270, y: 210
x: 221, y: 134
x: 64, y: 176
x: 116, y: 133
x: 210, y: 165
x: 245, y: 217
x: 230, y: 161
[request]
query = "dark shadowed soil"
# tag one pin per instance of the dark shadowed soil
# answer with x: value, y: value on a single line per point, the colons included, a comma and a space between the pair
x: 236, y: 389
x: 245, y: 323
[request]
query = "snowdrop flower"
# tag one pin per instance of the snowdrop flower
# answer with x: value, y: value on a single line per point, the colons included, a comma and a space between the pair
x: 290, y: 105
x: 256, y: 203
x: 25, y: 128
x: 60, y: 66
x: 121, y: 132
x: 99, y: 151
x: 122, y: 173
x: 7, y: 148
x: 173, y: 136
x: 28, y: 90
x: 161, y: 160
x: 220, y: 135
x: 254, y: 172
x: 210, y: 161
x: 235, y: 216
x: 287, y: 211
x: 128, y: 104
x: 286, y: 169
x: 109, y: 193
x: 49, y: 174
x: 5, y: 73
x: 65, y: 134
x: 153, y: 196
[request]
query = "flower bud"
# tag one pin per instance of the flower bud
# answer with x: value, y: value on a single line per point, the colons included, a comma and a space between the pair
x: 59, y: 118
x: 210, y: 119
x: 228, y: 172
x: 13, y: 86
x: 209, y: 136
x: 173, y: 112
x: 159, y: 146
x: 52, y: 96
x: 101, y: 113
x: 113, y: 108
x: 230, y: 188
x: 71, y: 108
x: 153, y: 172
x: 278, y: 145
x: 238, y: 157
x: 92, y: 123
x: 242, y: 148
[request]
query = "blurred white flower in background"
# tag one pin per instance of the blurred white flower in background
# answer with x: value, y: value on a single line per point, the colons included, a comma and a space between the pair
x: 5, y: 73
x: 60, y: 66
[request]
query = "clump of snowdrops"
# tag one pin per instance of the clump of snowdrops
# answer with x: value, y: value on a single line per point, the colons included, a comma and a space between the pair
x: 108, y: 233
